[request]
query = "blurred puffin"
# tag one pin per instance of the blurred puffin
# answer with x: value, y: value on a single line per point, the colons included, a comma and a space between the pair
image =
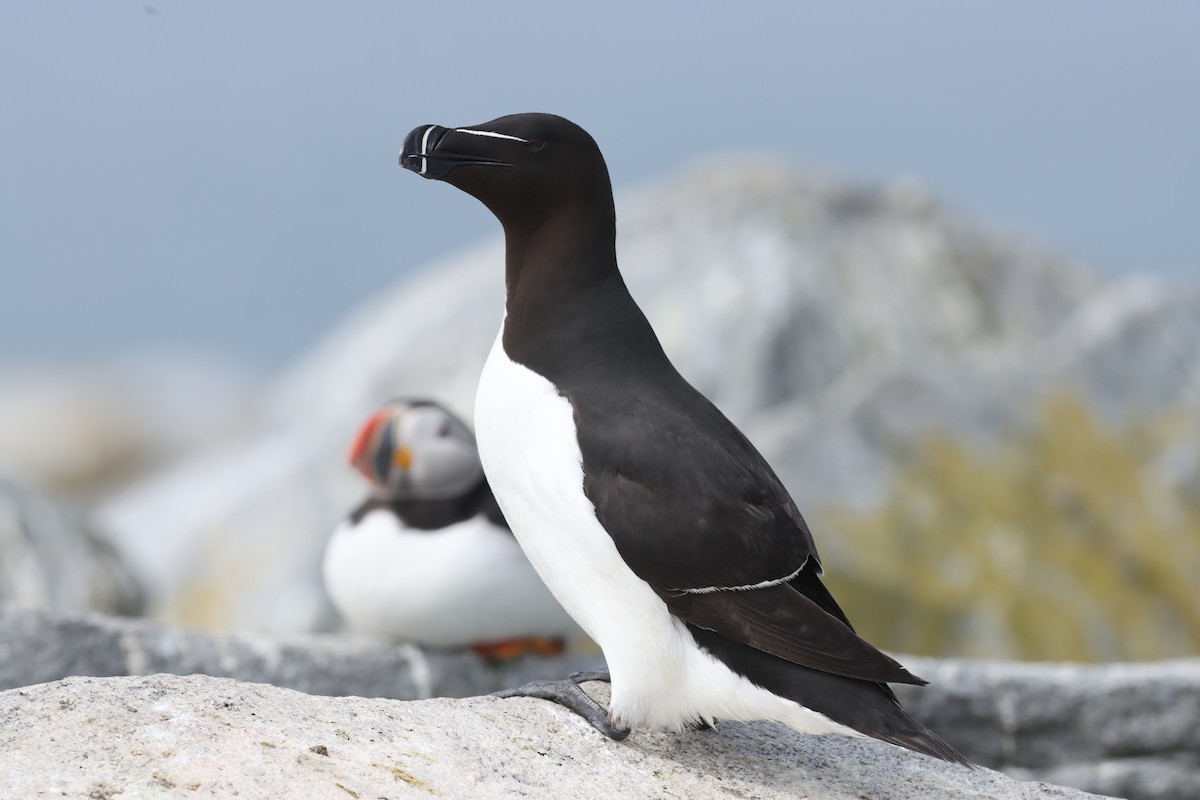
x: 427, y: 557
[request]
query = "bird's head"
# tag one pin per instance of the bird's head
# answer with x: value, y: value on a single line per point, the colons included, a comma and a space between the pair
x: 416, y: 450
x: 519, y: 166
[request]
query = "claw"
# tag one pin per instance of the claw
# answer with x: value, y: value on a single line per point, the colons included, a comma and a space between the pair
x: 568, y: 694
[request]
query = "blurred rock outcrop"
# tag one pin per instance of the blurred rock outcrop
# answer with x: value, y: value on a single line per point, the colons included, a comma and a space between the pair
x: 1127, y: 730
x: 837, y: 324
x: 52, y: 558
x: 37, y: 646
x: 82, y: 430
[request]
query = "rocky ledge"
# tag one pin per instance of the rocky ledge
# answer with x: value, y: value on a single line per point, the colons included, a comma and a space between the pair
x: 168, y: 736
x: 1127, y: 730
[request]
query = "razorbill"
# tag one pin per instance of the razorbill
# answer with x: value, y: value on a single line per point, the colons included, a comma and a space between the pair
x: 654, y: 521
x: 428, y: 557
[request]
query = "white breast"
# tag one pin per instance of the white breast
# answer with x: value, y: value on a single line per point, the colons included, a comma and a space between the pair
x: 464, y: 584
x: 660, y: 677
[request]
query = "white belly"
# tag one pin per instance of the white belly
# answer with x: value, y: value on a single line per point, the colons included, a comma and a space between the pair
x: 465, y: 584
x: 660, y: 677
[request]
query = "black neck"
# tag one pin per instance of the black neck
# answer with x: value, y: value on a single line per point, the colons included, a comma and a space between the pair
x: 570, y: 250
x: 435, y: 514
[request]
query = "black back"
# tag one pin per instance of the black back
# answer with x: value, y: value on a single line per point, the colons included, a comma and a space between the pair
x: 433, y: 515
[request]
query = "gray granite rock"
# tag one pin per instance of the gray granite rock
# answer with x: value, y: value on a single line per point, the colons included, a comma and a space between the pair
x: 37, y: 646
x: 1129, y: 730
x: 168, y: 736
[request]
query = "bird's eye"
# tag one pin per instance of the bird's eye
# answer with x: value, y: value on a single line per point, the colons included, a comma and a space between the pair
x: 534, y: 145
x: 444, y: 429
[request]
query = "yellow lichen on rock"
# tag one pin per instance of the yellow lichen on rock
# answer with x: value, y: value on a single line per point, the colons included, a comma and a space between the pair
x: 1063, y: 542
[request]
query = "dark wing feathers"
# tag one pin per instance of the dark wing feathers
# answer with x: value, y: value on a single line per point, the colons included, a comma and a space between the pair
x: 665, y: 472
x: 737, y: 543
x: 693, y: 477
x: 781, y: 621
x: 808, y: 583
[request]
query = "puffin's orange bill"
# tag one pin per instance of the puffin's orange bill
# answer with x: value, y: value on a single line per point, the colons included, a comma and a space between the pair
x: 365, y: 441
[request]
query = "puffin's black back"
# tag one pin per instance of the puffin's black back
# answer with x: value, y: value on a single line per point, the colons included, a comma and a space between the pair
x: 433, y: 515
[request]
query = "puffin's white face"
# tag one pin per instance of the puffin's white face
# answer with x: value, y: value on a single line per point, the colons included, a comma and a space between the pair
x: 416, y: 451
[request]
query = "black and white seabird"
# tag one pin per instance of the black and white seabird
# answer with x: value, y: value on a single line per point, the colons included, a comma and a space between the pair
x: 654, y: 521
x: 427, y: 557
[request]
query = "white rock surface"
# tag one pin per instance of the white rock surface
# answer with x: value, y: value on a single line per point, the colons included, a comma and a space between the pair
x: 167, y: 736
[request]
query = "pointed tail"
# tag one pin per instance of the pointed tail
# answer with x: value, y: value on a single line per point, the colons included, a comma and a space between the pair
x: 867, y: 707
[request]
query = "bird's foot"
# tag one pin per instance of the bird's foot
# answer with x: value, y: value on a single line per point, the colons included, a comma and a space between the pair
x: 567, y: 693
x: 510, y: 649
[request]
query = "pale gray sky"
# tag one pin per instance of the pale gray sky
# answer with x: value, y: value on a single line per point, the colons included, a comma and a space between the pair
x: 222, y: 174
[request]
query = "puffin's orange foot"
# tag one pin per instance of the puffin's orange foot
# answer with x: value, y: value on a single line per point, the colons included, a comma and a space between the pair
x: 509, y: 649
